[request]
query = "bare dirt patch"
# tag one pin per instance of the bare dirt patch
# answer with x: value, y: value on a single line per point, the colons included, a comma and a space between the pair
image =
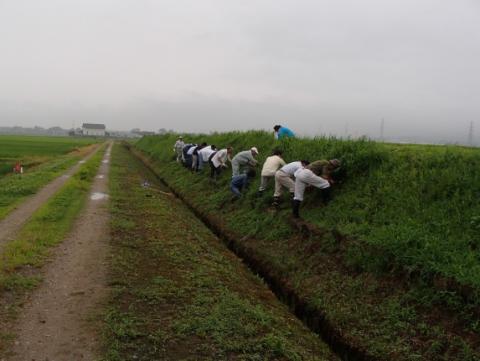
x: 58, y: 320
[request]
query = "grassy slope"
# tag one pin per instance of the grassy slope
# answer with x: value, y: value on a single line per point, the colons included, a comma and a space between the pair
x: 20, y: 258
x: 49, y: 156
x: 179, y: 293
x: 414, y: 204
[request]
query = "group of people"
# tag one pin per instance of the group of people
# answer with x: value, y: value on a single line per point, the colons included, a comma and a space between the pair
x: 294, y: 176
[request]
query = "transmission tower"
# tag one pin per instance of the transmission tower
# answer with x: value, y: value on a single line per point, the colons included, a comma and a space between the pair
x: 382, y: 129
x: 470, y: 134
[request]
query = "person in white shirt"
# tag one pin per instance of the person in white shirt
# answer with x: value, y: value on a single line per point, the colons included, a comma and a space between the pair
x: 271, y: 165
x: 218, y: 161
x: 195, y: 156
x: 204, y: 154
x: 284, y: 178
x: 178, y: 149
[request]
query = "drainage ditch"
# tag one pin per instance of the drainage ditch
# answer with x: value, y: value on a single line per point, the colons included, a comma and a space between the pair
x: 313, y: 317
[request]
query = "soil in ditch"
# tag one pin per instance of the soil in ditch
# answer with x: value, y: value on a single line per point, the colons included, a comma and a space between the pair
x: 179, y: 293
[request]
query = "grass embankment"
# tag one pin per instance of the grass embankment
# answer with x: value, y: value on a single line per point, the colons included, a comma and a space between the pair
x: 403, y: 279
x: 21, y: 258
x: 44, y: 158
x: 179, y: 294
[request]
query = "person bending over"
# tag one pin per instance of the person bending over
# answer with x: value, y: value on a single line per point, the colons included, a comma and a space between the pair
x: 282, y: 132
x: 218, y: 161
x: 271, y: 165
x: 242, y: 159
x: 284, y: 178
x: 241, y: 182
x: 317, y: 174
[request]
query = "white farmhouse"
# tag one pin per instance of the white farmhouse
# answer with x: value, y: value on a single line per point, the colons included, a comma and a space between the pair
x: 95, y: 130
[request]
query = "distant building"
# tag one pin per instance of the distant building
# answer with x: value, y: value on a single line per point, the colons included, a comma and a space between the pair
x: 94, y: 130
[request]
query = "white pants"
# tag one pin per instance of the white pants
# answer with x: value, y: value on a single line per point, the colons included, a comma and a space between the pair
x: 283, y: 179
x: 306, y: 177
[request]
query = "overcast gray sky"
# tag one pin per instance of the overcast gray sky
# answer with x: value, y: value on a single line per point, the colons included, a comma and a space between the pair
x: 316, y: 66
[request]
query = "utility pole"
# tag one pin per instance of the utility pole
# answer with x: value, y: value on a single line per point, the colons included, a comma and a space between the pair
x: 470, y: 134
x: 382, y: 129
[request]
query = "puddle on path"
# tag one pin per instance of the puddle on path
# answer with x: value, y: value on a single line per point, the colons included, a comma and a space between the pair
x: 105, y: 161
x: 81, y: 162
x: 96, y: 196
x: 100, y: 176
x: 66, y: 176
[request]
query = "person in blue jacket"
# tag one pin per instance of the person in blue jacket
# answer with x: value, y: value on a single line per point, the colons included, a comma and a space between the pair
x: 283, y: 132
x: 240, y: 182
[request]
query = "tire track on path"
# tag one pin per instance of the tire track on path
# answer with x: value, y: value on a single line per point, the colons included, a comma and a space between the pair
x: 56, y: 323
x: 11, y: 224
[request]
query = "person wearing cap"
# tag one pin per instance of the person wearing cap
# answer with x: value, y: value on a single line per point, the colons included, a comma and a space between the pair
x: 284, y: 178
x: 218, y: 161
x: 241, y: 182
x: 282, y: 132
x: 178, y: 147
x: 243, y: 159
x: 317, y: 174
x: 271, y: 165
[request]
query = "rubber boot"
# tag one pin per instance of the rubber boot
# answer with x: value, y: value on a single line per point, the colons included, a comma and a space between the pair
x: 326, y: 195
x: 276, y: 201
x: 296, y: 208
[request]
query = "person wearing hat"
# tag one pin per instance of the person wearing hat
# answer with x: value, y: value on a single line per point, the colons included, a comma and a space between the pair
x: 271, y: 165
x: 282, y: 132
x: 243, y: 159
x: 317, y: 174
x: 178, y: 147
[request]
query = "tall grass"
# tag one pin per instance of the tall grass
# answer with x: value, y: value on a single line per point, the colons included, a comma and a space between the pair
x: 418, y: 204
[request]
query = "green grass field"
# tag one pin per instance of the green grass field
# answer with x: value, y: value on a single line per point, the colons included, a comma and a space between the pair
x: 34, y: 150
x: 179, y: 294
x: 44, y: 158
x: 397, y: 269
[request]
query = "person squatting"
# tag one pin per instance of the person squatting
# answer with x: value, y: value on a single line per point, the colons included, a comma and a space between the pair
x: 295, y: 176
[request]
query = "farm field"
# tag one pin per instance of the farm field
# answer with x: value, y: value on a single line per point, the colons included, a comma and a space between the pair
x: 43, y: 158
x: 391, y: 260
x: 34, y: 150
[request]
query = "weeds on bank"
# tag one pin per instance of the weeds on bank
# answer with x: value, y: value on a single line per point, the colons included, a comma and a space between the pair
x: 404, y: 207
x: 419, y: 204
x: 179, y: 293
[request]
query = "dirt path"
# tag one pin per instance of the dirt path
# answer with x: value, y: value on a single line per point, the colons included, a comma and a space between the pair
x: 57, y: 321
x: 10, y: 225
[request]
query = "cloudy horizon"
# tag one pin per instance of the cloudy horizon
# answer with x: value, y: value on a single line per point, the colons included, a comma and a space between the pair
x: 315, y: 66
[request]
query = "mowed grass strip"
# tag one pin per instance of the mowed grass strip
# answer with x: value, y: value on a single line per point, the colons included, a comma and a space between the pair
x: 53, y: 159
x: 47, y: 227
x: 179, y: 294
